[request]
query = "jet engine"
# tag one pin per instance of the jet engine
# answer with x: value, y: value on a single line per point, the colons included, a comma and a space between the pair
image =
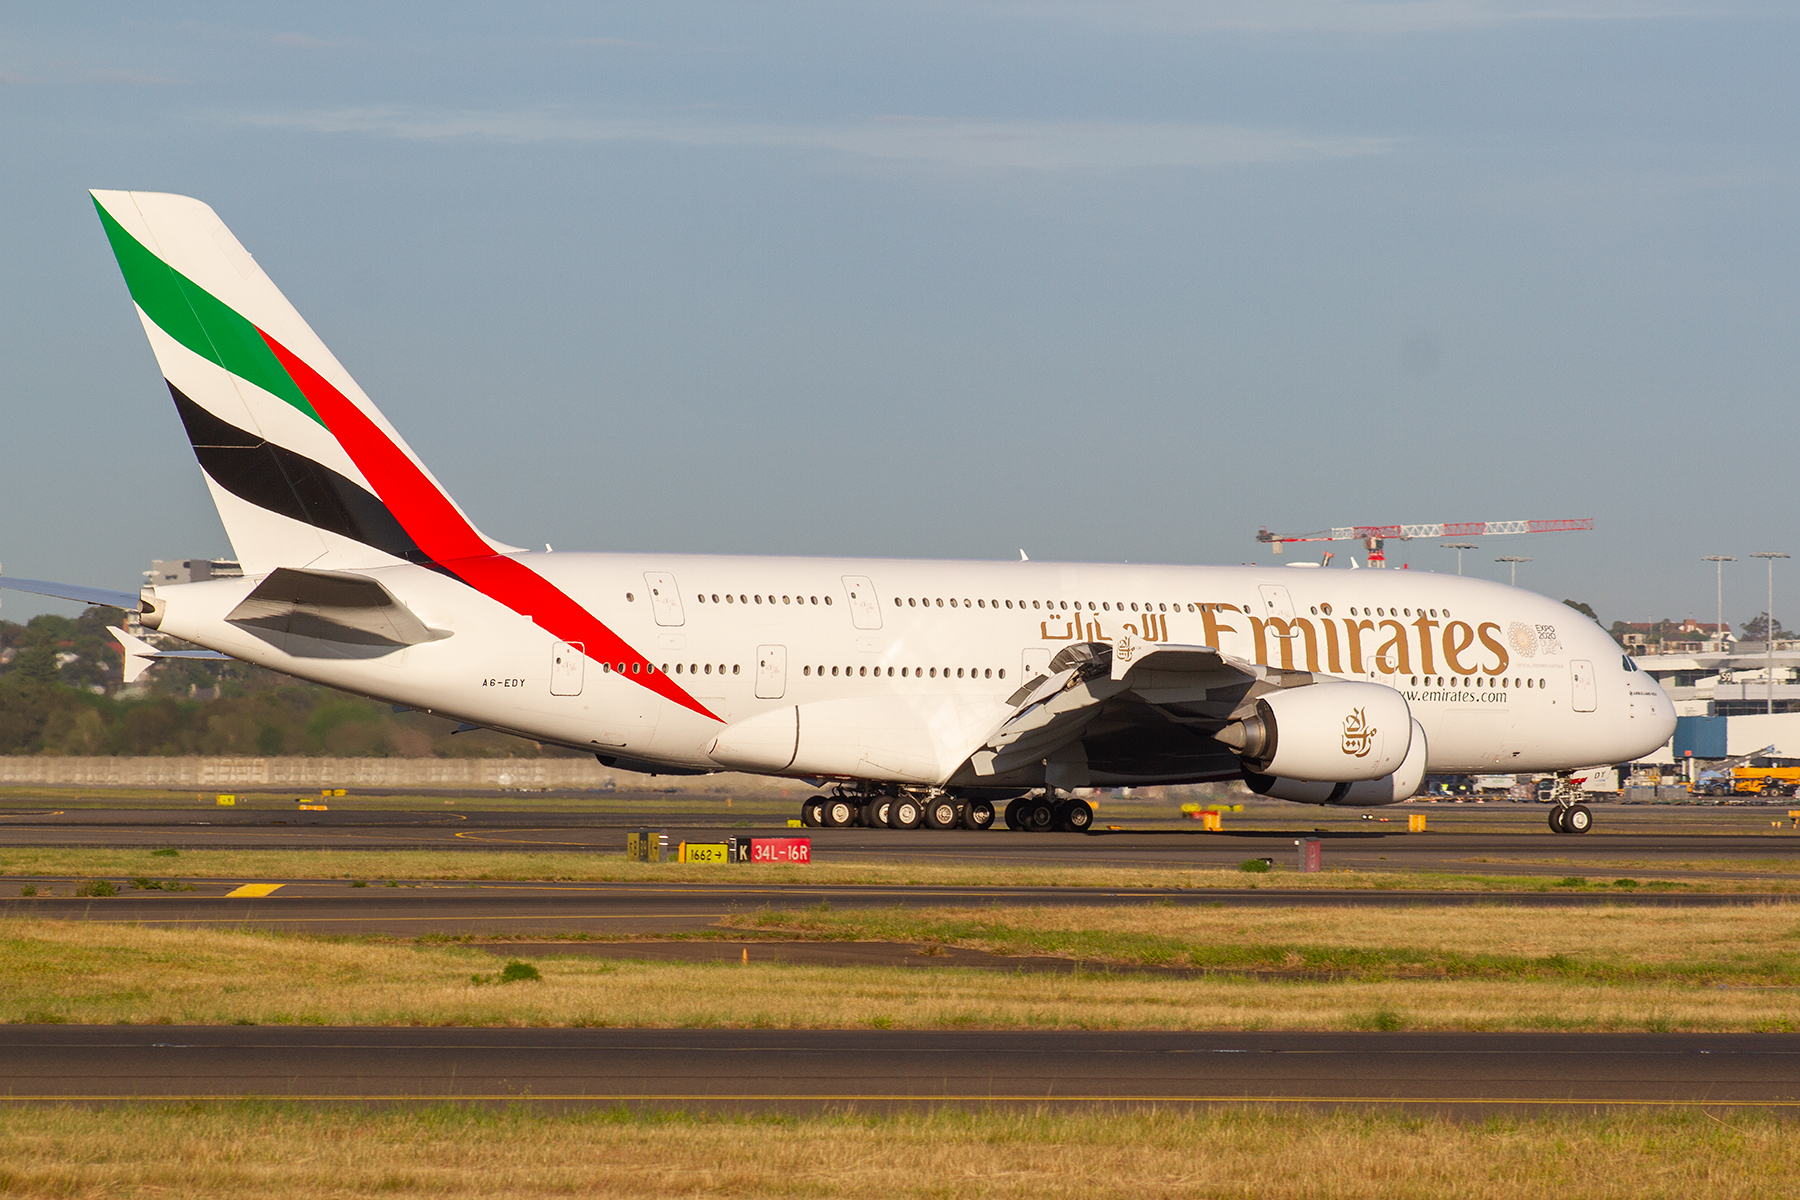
x: 1338, y: 732
x: 1364, y: 793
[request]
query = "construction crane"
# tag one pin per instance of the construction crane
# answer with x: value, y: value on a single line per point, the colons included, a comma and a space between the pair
x: 1372, y: 536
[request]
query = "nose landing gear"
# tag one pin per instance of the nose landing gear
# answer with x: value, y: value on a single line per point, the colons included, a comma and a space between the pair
x: 1566, y: 815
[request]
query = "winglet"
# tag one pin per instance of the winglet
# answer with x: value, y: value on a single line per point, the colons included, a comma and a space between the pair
x: 139, y: 654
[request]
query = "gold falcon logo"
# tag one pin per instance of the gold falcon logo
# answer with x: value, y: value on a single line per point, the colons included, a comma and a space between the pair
x: 1359, y: 735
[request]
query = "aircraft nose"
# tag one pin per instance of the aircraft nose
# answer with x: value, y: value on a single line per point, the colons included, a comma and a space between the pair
x: 1651, y: 709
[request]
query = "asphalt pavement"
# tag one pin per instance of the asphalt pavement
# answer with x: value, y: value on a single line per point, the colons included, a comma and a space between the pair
x: 334, y: 906
x: 1648, y: 843
x: 809, y: 1070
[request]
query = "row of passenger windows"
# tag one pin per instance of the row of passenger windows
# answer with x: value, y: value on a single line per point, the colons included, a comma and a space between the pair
x: 910, y: 672
x: 757, y: 598
x: 1474, y: 681
x: 1052, y: 605
x: 651, y: 668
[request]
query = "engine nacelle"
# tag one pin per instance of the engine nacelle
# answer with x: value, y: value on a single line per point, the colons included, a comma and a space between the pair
x: 1336, y: 732
x: 1364, y: 793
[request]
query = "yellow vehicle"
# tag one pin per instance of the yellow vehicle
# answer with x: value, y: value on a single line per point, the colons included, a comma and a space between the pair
x: 1765, y: 781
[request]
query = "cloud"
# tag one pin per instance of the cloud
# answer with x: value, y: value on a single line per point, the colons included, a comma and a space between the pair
x: 958, y: 143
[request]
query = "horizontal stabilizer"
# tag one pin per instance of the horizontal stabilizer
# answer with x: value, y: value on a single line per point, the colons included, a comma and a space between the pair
x: 139, y: 654
x: 73, y: 591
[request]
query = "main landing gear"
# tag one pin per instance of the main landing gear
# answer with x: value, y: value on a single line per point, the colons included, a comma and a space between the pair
x: 1566, y: 815
x: 1043, y: 813
x: 878, y: 810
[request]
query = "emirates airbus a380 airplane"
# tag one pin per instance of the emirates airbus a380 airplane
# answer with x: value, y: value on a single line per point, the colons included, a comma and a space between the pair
x: 910, y: 690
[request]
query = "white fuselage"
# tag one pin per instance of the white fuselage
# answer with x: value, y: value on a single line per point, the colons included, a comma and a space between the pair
x: 1498, y: 678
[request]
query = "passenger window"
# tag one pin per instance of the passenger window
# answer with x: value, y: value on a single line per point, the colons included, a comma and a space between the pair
x: 1003, y: 672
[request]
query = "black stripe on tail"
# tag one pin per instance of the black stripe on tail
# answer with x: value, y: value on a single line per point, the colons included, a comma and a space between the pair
x: 278, y: 479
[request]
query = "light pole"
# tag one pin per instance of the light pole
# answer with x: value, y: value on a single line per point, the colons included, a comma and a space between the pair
x: 1515, y: 560
x: 1769, y: 630
x: 1459, y: 547
x: 1719, y: 560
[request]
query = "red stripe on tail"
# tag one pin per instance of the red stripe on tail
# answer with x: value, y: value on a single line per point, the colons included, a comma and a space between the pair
x: 443, y: 533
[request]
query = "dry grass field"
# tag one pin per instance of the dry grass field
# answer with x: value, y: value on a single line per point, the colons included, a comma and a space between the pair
x: 1752, y: 946
x: 1485, y: 969
x: 251, y: 1151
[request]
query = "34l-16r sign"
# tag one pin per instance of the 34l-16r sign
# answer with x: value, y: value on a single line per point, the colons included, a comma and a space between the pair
x: 780, y: 850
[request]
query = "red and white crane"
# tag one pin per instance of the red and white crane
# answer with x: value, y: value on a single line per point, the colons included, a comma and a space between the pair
x: 1372, y: 536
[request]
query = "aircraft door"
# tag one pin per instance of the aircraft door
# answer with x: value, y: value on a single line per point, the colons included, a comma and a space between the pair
x: 1034, y: 662
x: 568, y: 662
x: 1276, y: 602
x: 771, y: 672
x: 1582, y: 685
x: 665, y: 598
x: 865, y: 606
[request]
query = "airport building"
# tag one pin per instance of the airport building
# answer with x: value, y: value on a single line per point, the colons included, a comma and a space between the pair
x: 1731, y: 698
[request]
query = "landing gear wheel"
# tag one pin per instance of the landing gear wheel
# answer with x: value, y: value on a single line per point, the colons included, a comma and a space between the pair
x: 875, y: 813
x: 812, y: 812
x: 1578, y: 819
x: 941, y: 813
x: 904, y: 813
x: 1077, y: 816
x: 838, y: 813
x: 1015, y: 814
x: 978, y: 816
x: 1040, y: 816
x: 1557, y: 816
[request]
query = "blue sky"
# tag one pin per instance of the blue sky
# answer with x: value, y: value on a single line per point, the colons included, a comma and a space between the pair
x: 1103, y: 282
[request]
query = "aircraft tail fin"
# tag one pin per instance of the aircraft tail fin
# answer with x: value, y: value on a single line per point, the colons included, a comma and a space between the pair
x: 303, y: 467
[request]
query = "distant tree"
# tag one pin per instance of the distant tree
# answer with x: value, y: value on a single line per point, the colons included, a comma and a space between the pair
x: 1756, y: 629
x: 1585, y: 611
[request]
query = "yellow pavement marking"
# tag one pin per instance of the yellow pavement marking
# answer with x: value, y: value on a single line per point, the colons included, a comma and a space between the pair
x: 254, y: 889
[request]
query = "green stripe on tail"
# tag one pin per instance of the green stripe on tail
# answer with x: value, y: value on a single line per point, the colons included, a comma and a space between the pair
x: 197, y: 319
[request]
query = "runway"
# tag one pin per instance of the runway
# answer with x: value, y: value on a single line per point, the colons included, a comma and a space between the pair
x: 803, y: 1071
x: 1510, y: 839
x: 333, y: 906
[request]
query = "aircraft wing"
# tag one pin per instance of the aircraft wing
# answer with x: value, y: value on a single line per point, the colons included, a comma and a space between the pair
x: 1166, y: 700
x: 72, y: 591
x: 141, y: 655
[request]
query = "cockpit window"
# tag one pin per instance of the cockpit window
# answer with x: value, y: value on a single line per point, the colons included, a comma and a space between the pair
x: 1629, y: 665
